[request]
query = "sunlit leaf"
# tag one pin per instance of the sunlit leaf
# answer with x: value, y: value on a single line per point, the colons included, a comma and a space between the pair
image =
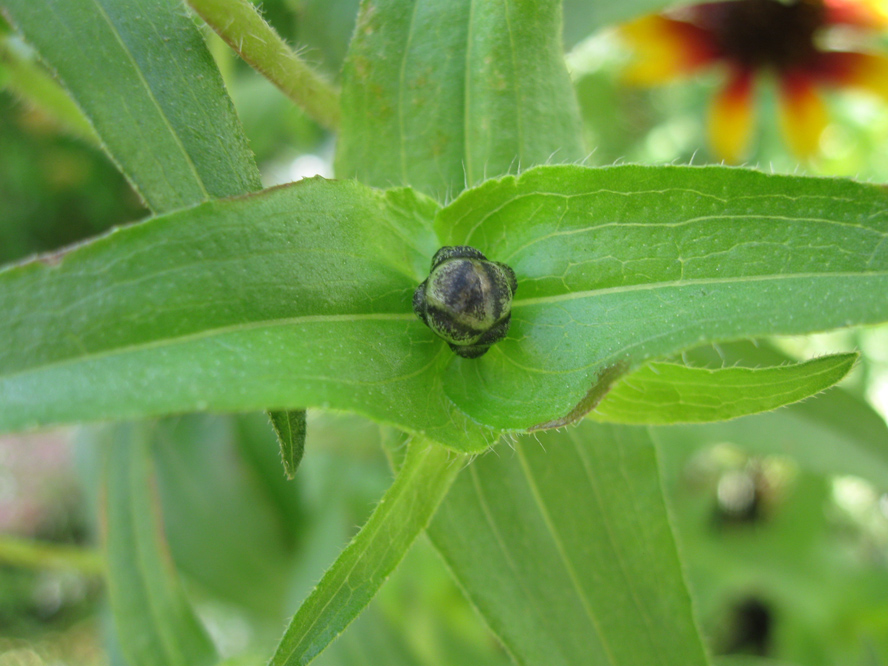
x: 298, y: 296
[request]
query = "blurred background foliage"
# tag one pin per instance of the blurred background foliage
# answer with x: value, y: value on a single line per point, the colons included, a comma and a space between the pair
x: 786, y: 552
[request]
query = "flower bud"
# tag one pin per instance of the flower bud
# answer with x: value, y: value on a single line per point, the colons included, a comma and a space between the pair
x: 466, y: 300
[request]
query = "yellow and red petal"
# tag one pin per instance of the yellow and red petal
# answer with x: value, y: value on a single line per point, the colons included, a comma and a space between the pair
x: 870, y: 14
x: 732, y: 118
x: 801, y: 113
x: 863, y: 71
x: 664, y: 49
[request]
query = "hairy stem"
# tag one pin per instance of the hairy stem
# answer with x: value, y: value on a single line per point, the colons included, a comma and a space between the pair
x: 34, y: 85
x: 244, y: 30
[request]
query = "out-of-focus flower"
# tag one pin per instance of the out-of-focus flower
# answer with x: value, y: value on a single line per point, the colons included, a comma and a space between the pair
x: 751, y: 38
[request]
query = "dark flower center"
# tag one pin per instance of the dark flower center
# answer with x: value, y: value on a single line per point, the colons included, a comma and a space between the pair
x: 756, y: 34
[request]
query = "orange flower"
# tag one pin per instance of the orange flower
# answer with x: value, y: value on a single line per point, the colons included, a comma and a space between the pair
x: 748, y: 38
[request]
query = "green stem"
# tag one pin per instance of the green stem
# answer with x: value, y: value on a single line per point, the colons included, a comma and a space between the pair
x: 244, y: 30
x: 34, y: 85
x: 34, y: 555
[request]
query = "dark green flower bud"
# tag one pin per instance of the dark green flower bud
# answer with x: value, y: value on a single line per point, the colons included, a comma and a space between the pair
x: 467, y: 300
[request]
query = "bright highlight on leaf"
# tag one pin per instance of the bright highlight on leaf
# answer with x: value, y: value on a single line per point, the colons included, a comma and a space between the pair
x: 668, y: 393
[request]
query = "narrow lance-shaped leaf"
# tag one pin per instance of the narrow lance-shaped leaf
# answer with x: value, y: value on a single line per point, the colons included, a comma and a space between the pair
x: 292, y: 297
x: 621, y: 265
x: 141, y: 73
x: 365, y: 564
x: 32, y: 83
x: 152, y: 615
x: 289, y: 428
x: 833, y: 433
x: 666, y: 393
x: 439, y: 94
x: 564, y: 546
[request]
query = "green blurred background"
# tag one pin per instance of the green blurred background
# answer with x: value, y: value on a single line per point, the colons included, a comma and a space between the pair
x: 786, y: 550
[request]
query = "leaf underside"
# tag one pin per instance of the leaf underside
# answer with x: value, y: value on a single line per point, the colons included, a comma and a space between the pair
x: 668, y: 393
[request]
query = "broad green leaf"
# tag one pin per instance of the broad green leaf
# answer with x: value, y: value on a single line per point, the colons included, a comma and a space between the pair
x: 667, y: 393
x: 439, y: 94
x: 365, y: 564
x: 564, y: 546
x: 142, y: 75
x: 293, y: 297
x: 289, y: 428
x: 620, y: 265
x: 154, y: 620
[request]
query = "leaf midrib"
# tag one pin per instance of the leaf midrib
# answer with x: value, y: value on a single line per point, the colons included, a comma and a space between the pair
x: 518, y: 303
x: 208, y: 333
x: 566, y: 560
x: 154, y: 101
x: 650, y: 286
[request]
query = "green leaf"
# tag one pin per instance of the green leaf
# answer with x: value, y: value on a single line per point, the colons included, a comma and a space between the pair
x: 295, y: 297
x: 440, y: 94
x: 564, y: 546
x: 33, y: 84
x: 667, y: 393
x: 365, y: 564
x: 289, y: 427
x: 617, y: 266
x: 833, y: 433
x: 142, y: 75
x: 154, y: 620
